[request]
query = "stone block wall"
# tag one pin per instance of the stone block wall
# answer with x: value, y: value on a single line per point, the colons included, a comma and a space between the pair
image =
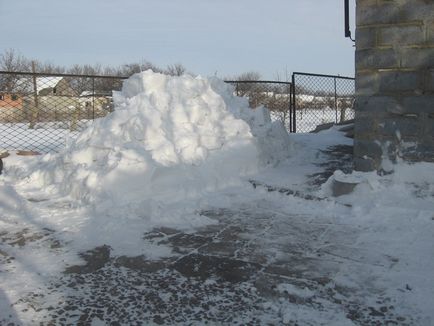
x: 394, y: 82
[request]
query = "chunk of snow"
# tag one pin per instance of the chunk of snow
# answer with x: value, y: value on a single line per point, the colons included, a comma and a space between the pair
x: 11, y: 203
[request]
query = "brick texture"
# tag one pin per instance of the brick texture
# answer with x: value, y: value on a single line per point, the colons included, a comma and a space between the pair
x: 394, y: 81
x: 401, y: 35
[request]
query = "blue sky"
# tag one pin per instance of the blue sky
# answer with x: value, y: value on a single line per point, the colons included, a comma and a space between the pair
x: 223, y: 37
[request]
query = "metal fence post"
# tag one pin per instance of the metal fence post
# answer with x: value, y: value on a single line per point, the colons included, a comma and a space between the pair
x: 336, y: 101
x: 294, y: 105
x: 93, y: 98
x: 35, y: 110
x: 290, y: 107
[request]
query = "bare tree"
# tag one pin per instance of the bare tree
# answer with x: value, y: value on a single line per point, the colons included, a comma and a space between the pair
x: 249, y: 76
x: 244, y: 85
x: 12, y: 61
x: 86, y: 69
x: 176, y: 69
x: 136, y: 67
x: 81, y: 84
x: 284, y: 76
x: 48, y: 67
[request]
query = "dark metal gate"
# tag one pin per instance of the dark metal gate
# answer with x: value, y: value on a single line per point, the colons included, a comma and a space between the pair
x: 318, y: 99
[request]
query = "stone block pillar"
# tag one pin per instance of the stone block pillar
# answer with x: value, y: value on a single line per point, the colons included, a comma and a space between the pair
x: 394, y: 82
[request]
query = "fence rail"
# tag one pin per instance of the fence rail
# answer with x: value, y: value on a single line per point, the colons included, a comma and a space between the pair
x: 39, y: 111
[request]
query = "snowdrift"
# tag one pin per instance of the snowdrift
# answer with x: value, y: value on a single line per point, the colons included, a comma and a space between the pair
x: 169, y: 138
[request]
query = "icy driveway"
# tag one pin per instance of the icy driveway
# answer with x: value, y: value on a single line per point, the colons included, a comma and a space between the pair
x: 259, y: 265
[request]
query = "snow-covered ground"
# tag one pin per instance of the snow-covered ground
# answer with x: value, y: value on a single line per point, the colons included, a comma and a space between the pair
x: 185, y: 206
x: 45, y: 137
x: 308, y: 119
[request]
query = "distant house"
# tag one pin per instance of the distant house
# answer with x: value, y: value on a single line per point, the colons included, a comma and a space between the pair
x: 56, y: 99
x: 53, y: 86
x: 50, y: 98
x: 45, y: 86
x: 11, y: 107
x: 44, y: 98
x: 11, y: 101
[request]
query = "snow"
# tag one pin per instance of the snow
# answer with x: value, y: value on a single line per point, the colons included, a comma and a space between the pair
x: 178, y: 146
x: 291, y: 289
x: 45, y: 137
x: 12, y: 203
x: 307, y: 119
x: 169, y: 139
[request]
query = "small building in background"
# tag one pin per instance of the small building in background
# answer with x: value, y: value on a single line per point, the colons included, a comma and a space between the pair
x: 42, y: 98
x: 394, y: 82
x: 53, y: 86
x: 10, y: 101
x: 10, y: 105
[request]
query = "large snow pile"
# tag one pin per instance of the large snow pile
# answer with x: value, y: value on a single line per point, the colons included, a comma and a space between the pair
x: 169, y: 138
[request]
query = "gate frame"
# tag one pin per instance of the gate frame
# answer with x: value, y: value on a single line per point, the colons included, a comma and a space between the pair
x: 293, y: 106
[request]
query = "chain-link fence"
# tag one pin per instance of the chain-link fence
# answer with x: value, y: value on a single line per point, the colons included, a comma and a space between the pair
x: 274, y: 95
x: 39, y: 112
x: 319, y: 99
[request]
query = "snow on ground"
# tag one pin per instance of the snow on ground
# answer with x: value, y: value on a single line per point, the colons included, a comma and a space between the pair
x: 150, y: 216
x: 307, y: 119
x: 44, y: 139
